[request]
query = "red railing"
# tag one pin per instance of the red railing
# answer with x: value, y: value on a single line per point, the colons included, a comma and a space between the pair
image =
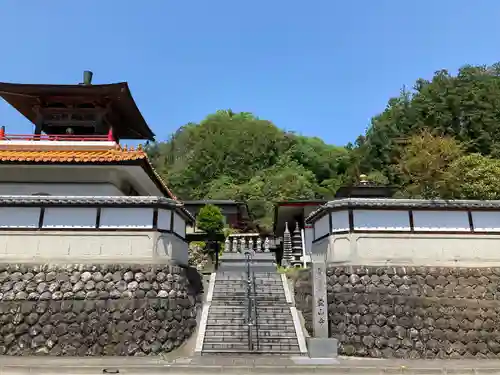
x: 48, y: 137
x: 58, y: 137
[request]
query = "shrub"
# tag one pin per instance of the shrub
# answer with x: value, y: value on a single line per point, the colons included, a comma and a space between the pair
x: 210, y: 220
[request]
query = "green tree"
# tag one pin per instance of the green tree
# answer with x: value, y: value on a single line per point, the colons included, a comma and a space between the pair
x: 210, y: 220
x: 239, y: 156
x: 475, y: 176
x: 323, y: 160
x: 465, y: 106
x: 424, y: 165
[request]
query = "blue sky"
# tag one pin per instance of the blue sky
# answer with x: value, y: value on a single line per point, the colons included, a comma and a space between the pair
x: 319, y: 67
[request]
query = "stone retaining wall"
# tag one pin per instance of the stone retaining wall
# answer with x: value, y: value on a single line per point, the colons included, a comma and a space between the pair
x: 410, y: 312
x: 85, y: 310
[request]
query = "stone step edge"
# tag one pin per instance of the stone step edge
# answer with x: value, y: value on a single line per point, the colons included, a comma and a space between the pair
x: 224, y: 339
x: 256, y: 353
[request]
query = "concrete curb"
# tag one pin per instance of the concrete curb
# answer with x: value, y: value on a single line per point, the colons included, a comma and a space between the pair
x: 261, y: 369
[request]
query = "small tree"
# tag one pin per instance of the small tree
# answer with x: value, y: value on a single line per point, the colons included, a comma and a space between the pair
x: 210, y: 220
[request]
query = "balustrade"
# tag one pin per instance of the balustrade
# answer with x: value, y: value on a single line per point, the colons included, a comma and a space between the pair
x: 240, y: 243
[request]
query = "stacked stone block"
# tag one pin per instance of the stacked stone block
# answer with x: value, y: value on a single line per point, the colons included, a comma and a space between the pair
x: 85, y: 310
x: 410, y: 312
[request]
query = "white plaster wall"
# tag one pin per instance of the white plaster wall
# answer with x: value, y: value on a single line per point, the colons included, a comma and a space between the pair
x: 340, y: 221
x: 322, y: 226
x: 179, y: 225
x: 486, y: 221
x: 414, y: 249
x: 67, y: 246
x: 441, y: 220
x: 16, y: 217
x: 321, y: 249
x: 80, y: 189
x: 120, y: 217
x: 381, y: 220
x: 169, y: 246
x: 340, y: 248
x: 308, y: 239
x: 69, y: 217
x: 164, y: 218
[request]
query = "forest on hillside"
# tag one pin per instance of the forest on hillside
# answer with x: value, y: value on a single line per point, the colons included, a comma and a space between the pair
x: 441, y: 139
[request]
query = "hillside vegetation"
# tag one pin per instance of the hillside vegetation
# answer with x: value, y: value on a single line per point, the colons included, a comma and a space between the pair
x: 439, y: 139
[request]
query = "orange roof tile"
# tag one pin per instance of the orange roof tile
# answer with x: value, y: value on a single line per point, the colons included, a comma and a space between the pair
x: 81, y: 156
x: 71, y: 156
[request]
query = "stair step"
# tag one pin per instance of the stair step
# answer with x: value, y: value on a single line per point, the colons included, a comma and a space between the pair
x: 238, y: 301
x: 261, y: 339
x: 243, y: 330
x: 266, y: 339
x: 264, y: 323
x: 260, y: 296
x: 272, y: 326
x: 230, y: 352
x: 239, y: 321
x: 245, y: 292
x: 225, y: 334
x: 244, y: 284
x: 243, y: 348
x: 243, y: 335
x: 229, y: 327
x: 231, y: 314
x: 263, y: 326
x: 260, y: 314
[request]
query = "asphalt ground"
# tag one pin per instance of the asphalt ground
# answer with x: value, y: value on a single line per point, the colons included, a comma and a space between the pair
x: 241, y: 365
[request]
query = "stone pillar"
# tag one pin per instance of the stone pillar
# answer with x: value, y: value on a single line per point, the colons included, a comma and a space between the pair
x: 320, y: 308
x: 320, y: 345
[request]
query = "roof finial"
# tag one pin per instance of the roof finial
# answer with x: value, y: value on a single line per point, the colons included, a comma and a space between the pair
x: 87, y: 77
x: 363, y: 179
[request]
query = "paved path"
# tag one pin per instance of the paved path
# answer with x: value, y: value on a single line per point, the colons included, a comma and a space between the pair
x: 240, y: 365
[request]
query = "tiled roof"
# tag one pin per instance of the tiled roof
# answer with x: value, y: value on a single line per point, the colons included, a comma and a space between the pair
x: 72, y: 156
x: 402, y: 204
x: 84, y: 156
x: 85, y: 200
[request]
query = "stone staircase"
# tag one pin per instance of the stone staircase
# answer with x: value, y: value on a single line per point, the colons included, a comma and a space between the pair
x: 227, y: 331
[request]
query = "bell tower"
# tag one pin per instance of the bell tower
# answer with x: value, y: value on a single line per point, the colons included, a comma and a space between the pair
x: 79, y: 111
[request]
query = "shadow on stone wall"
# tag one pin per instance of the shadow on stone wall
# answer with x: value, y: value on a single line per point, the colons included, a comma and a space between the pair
x: 94, y: 310
x: 410, y: 312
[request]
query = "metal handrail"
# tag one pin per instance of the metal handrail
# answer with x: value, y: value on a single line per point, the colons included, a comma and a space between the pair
x: 249, y: 303
x: 256, y: 318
